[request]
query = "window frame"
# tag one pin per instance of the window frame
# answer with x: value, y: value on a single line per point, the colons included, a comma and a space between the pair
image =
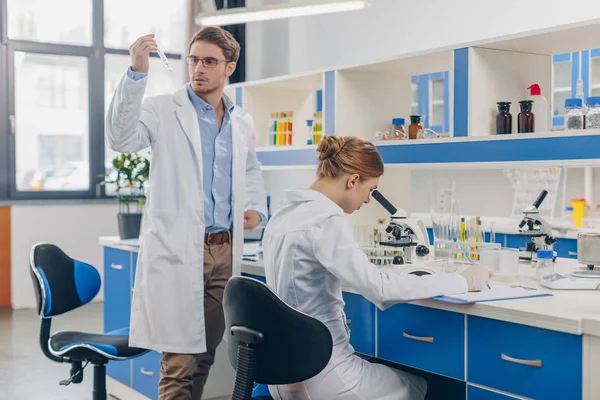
x: 95, y: 55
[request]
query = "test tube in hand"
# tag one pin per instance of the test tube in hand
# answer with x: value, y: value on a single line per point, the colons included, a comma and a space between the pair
x: 164, y: 58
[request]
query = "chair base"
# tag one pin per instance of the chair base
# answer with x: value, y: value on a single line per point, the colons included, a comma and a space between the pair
x: 99, y: 381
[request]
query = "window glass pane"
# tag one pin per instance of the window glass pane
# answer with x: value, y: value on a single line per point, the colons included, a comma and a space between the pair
x: 127, y: 20
x: 51, y: 21
x: 414, y: 110
x: 52, y: 127
x: 437, y: 114
x: 562, y: 86
x: 595, y: 77
x: 437, y: 89
x: 160, y: 81
x: 562, y: 75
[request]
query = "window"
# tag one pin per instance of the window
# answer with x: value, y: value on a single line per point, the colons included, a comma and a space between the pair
x: 51, y: 133
x: 127, y: 20
x: 57, y: 99
x: 160, y: 81
x: 51, y: 21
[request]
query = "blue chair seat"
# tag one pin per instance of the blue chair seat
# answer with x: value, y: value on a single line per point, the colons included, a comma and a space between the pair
x: 112, y: 345
x: 261, y: 392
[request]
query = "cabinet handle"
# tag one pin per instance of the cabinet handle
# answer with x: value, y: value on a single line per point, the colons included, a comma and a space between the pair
x: 532, y: 363
x: 116, y: 266
x: 572, y: 253
x: 419, y: 338
x: 146, y: 372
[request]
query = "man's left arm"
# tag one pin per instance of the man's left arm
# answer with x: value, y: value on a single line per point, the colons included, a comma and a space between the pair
x: 256, y: 196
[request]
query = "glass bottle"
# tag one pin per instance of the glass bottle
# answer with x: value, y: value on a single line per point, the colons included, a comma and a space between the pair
x: 503, y: 118
x: 415, y: 126
x: 526, y: 121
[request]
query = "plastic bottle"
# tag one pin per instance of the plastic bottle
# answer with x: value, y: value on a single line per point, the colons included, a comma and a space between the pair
x: 544, y: 265
x: 526, y: 119
x: 540, y: 108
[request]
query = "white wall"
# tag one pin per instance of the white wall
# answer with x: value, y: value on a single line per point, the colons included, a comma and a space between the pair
x: 393, y: 27
x: 74, y: 228
x: 488, y: 192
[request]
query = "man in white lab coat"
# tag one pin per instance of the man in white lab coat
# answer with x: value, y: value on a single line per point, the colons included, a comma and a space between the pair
x: 205, y: 188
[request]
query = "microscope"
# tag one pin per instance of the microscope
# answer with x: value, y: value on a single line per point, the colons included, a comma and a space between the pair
x: 538, y: 229
x: 414, y: 242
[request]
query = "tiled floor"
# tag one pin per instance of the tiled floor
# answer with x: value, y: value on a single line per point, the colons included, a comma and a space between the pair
x: 25, y: 373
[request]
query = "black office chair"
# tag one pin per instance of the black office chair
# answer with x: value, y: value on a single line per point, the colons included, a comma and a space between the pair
x: 62, y: 284
x: 271, y: 343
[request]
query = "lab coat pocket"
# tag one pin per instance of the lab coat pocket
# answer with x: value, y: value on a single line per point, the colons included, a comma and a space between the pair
x: 165, y: 237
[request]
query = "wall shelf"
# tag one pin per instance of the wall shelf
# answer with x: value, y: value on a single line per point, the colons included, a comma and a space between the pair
x: 566, y: 148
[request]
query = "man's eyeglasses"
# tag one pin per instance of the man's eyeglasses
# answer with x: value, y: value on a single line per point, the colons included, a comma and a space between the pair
x: 207, y: 62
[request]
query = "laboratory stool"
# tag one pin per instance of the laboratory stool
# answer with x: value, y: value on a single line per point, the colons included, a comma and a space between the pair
x: 270, y: 343
x: 62, y: 284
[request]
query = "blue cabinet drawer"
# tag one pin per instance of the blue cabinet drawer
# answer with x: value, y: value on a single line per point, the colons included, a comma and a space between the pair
x: 146, y: 373
x: 117, y: 288
x: 120, y: 370
x: 257, y: 277
x: 360, y: 316
x: 566, y: 248
x: 424, y: 338
x: 524, y: 360
x: 477, y: 393
x: 134, y: 258
x: 516, y: 241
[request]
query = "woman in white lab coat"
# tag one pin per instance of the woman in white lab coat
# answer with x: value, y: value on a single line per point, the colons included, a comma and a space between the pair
x: 309, y: 254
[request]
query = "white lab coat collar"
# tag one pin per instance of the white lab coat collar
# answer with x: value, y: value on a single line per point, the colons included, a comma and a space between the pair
x: 307, y: 195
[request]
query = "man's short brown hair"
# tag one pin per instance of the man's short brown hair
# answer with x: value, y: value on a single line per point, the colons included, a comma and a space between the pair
x: 221, y: 38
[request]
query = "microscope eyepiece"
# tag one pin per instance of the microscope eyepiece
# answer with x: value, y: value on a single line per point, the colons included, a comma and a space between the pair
x: 384, y: 202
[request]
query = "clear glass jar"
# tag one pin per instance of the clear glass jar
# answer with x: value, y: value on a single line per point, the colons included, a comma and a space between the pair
x: 592, y: 117
x: 398, y: 129
x: 574, y: 115
x: 544, y: 265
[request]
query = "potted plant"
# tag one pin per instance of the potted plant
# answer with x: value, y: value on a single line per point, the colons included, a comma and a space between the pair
x: 129, y: 177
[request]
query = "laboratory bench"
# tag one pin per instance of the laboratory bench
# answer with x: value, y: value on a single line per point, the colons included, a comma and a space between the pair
x: 542, y: 348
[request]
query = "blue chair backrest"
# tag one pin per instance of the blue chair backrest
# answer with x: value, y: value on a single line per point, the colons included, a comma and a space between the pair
x: 61, y: 284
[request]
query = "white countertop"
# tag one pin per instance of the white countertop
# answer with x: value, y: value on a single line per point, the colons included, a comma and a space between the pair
x: 576, y: 312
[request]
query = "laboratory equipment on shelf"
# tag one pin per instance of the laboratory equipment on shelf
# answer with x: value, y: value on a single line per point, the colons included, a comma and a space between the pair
x: 574, y: 118
x: 281, y: 129
x: 592, y: 117
x: 526, y: 118
x: 317, y: 127
x: 586, y: 278
x: 415, y: 129
x: 503, y: 118
x: 398, y: 130
x: 413, y: 240
x: 540, y: 108
x: 538, y: 229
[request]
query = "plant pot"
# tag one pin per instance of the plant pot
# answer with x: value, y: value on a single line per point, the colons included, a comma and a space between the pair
x: 129, y: 225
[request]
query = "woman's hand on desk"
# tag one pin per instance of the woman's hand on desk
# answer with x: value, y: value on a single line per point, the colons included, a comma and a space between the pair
x: 477, y: 277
